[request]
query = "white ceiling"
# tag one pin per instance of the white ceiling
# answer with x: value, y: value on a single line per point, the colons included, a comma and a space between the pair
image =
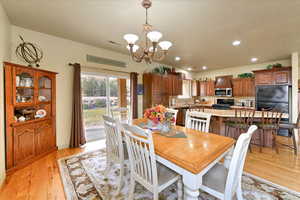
x: 201, y: 30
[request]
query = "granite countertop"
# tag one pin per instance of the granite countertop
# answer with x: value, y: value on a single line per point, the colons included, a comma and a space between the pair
x: 231, y: 113
x: 191, y: 105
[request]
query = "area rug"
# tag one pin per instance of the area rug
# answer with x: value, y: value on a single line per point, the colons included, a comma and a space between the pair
x: 83, y: 179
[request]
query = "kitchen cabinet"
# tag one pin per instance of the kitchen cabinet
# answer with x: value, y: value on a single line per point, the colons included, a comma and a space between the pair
x: 195, y: 88
x: 206, y: 88
x: 210, y: 88
x: 282, y: 77
x: 243, y: 87
x: 203, y: 87
x: 158, y: 88
x: 275, y: 76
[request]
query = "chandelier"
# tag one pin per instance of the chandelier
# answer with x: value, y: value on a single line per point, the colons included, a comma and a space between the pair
x: 151, y: 51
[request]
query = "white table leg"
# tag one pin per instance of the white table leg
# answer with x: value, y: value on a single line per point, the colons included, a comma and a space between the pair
x: 228, y: 157
x: 192, y: 184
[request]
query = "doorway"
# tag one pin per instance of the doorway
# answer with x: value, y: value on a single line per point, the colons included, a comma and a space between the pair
x: 100, y: 93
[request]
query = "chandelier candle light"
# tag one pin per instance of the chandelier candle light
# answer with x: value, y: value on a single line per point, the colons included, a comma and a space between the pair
x: 147, y: 53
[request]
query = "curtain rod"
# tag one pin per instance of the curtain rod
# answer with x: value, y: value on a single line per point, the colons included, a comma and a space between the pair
x: 70, y: 64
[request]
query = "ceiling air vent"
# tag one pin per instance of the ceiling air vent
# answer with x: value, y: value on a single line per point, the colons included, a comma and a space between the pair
x: 105, y: 61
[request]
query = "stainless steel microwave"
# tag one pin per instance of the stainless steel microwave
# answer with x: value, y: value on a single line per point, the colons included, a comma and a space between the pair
x: 223, y: 92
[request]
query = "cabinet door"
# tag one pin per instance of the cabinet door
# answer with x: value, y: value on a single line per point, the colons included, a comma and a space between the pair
x: 203, y: 88
x: 24, y: 148
x: 210, y: 88
x: 194, y: 88
x: 44, y: 139
x: 157, y: 84
x: 179, y: 85
x: 282, y: 77
x: 236, y: 87
x: 264, y: 78
x: 23, y: 86
x: 249, y: 87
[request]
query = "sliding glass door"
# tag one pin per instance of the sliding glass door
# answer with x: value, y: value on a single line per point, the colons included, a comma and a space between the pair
x: 100, y: 93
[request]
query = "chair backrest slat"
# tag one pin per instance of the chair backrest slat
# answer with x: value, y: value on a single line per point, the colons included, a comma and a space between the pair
x: 244, y: 116
x: 237, y: 162
x: 114, y: 144
x: 199, y: 121
x: 271, y: 117
x: 174, y: 113
x: 121, y: 113
x: 141, y: 154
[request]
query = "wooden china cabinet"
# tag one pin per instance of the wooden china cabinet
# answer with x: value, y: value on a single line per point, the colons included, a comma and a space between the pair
x: 30, y: 114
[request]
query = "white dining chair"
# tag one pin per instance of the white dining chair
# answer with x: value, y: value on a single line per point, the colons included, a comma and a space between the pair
x: 174, y: 113
x: 143, y: 166
x: 199, y: 121
x: 123, y: 114
x: 116, y: 152
x: 225, y: 183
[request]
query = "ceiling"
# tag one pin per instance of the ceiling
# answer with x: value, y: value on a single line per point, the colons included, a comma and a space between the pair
x: 201, y: 30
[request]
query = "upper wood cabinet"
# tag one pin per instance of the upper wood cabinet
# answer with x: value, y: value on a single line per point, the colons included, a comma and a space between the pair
x: 206, y: 88
x: 195, y: 86
x: 276, y: 76
x: 243, y: 87
x: 210, y: 90
x: 158, y: 88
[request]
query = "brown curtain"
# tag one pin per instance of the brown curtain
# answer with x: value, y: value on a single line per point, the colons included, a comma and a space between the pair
x: 77, y: 130
x: 133, y: 94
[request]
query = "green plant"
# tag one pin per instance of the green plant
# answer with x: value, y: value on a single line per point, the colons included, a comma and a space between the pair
x: 245, y: 75
x: 161, y: 70
x: 271, y: 66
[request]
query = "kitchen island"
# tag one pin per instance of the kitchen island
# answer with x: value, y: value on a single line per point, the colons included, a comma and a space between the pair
x: 217, y: 124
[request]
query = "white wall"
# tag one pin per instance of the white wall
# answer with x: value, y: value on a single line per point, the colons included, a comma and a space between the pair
x: 238, y: 69
x: 5, y: 33
x: 58, y: 52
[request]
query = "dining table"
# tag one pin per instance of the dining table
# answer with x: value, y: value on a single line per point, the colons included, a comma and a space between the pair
x: 191, y: 154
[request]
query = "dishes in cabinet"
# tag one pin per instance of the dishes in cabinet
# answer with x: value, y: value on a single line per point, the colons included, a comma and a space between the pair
x: 40, y: 113
x: 43, y: 98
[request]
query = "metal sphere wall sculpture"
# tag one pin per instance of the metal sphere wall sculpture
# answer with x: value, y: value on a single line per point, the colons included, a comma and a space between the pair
x: 29, y: 53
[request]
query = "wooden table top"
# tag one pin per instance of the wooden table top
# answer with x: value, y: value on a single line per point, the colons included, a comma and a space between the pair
x: 193, y: 153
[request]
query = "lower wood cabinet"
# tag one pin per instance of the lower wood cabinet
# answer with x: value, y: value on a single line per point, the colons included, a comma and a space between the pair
x: 24, y: 145
x: 32, y: 140
x: 43, y: 137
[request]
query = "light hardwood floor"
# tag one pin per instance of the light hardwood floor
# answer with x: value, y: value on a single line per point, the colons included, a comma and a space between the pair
x: 41, y: 179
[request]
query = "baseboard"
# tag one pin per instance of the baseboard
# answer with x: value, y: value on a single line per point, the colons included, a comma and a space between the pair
x: 2, y: 180
x: 63, y: 146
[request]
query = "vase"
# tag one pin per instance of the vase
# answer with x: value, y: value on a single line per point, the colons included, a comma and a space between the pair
x: 165, y: 127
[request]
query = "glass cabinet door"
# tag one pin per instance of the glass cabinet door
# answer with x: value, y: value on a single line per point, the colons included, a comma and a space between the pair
x: 24, y: 86
x: 44, y: 88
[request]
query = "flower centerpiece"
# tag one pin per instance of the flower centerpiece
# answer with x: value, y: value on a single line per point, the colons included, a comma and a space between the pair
x: 159, y: 116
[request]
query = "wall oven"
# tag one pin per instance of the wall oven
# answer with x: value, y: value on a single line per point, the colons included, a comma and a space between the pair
x: 223, y: 92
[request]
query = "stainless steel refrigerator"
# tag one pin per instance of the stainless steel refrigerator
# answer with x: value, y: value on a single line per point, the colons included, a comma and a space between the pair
x: 277, y: 97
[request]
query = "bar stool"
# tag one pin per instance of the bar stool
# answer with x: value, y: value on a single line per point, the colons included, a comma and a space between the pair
x: 295, y: 135
x: 269, y: 122
x: 243, y: 119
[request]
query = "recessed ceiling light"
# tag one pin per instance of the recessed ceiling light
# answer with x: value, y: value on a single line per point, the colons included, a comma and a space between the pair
x: 189, y: 69
x: 236, y: 42
x: 204, y: 67
x: 177, y: 58
x: 254, y: 59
